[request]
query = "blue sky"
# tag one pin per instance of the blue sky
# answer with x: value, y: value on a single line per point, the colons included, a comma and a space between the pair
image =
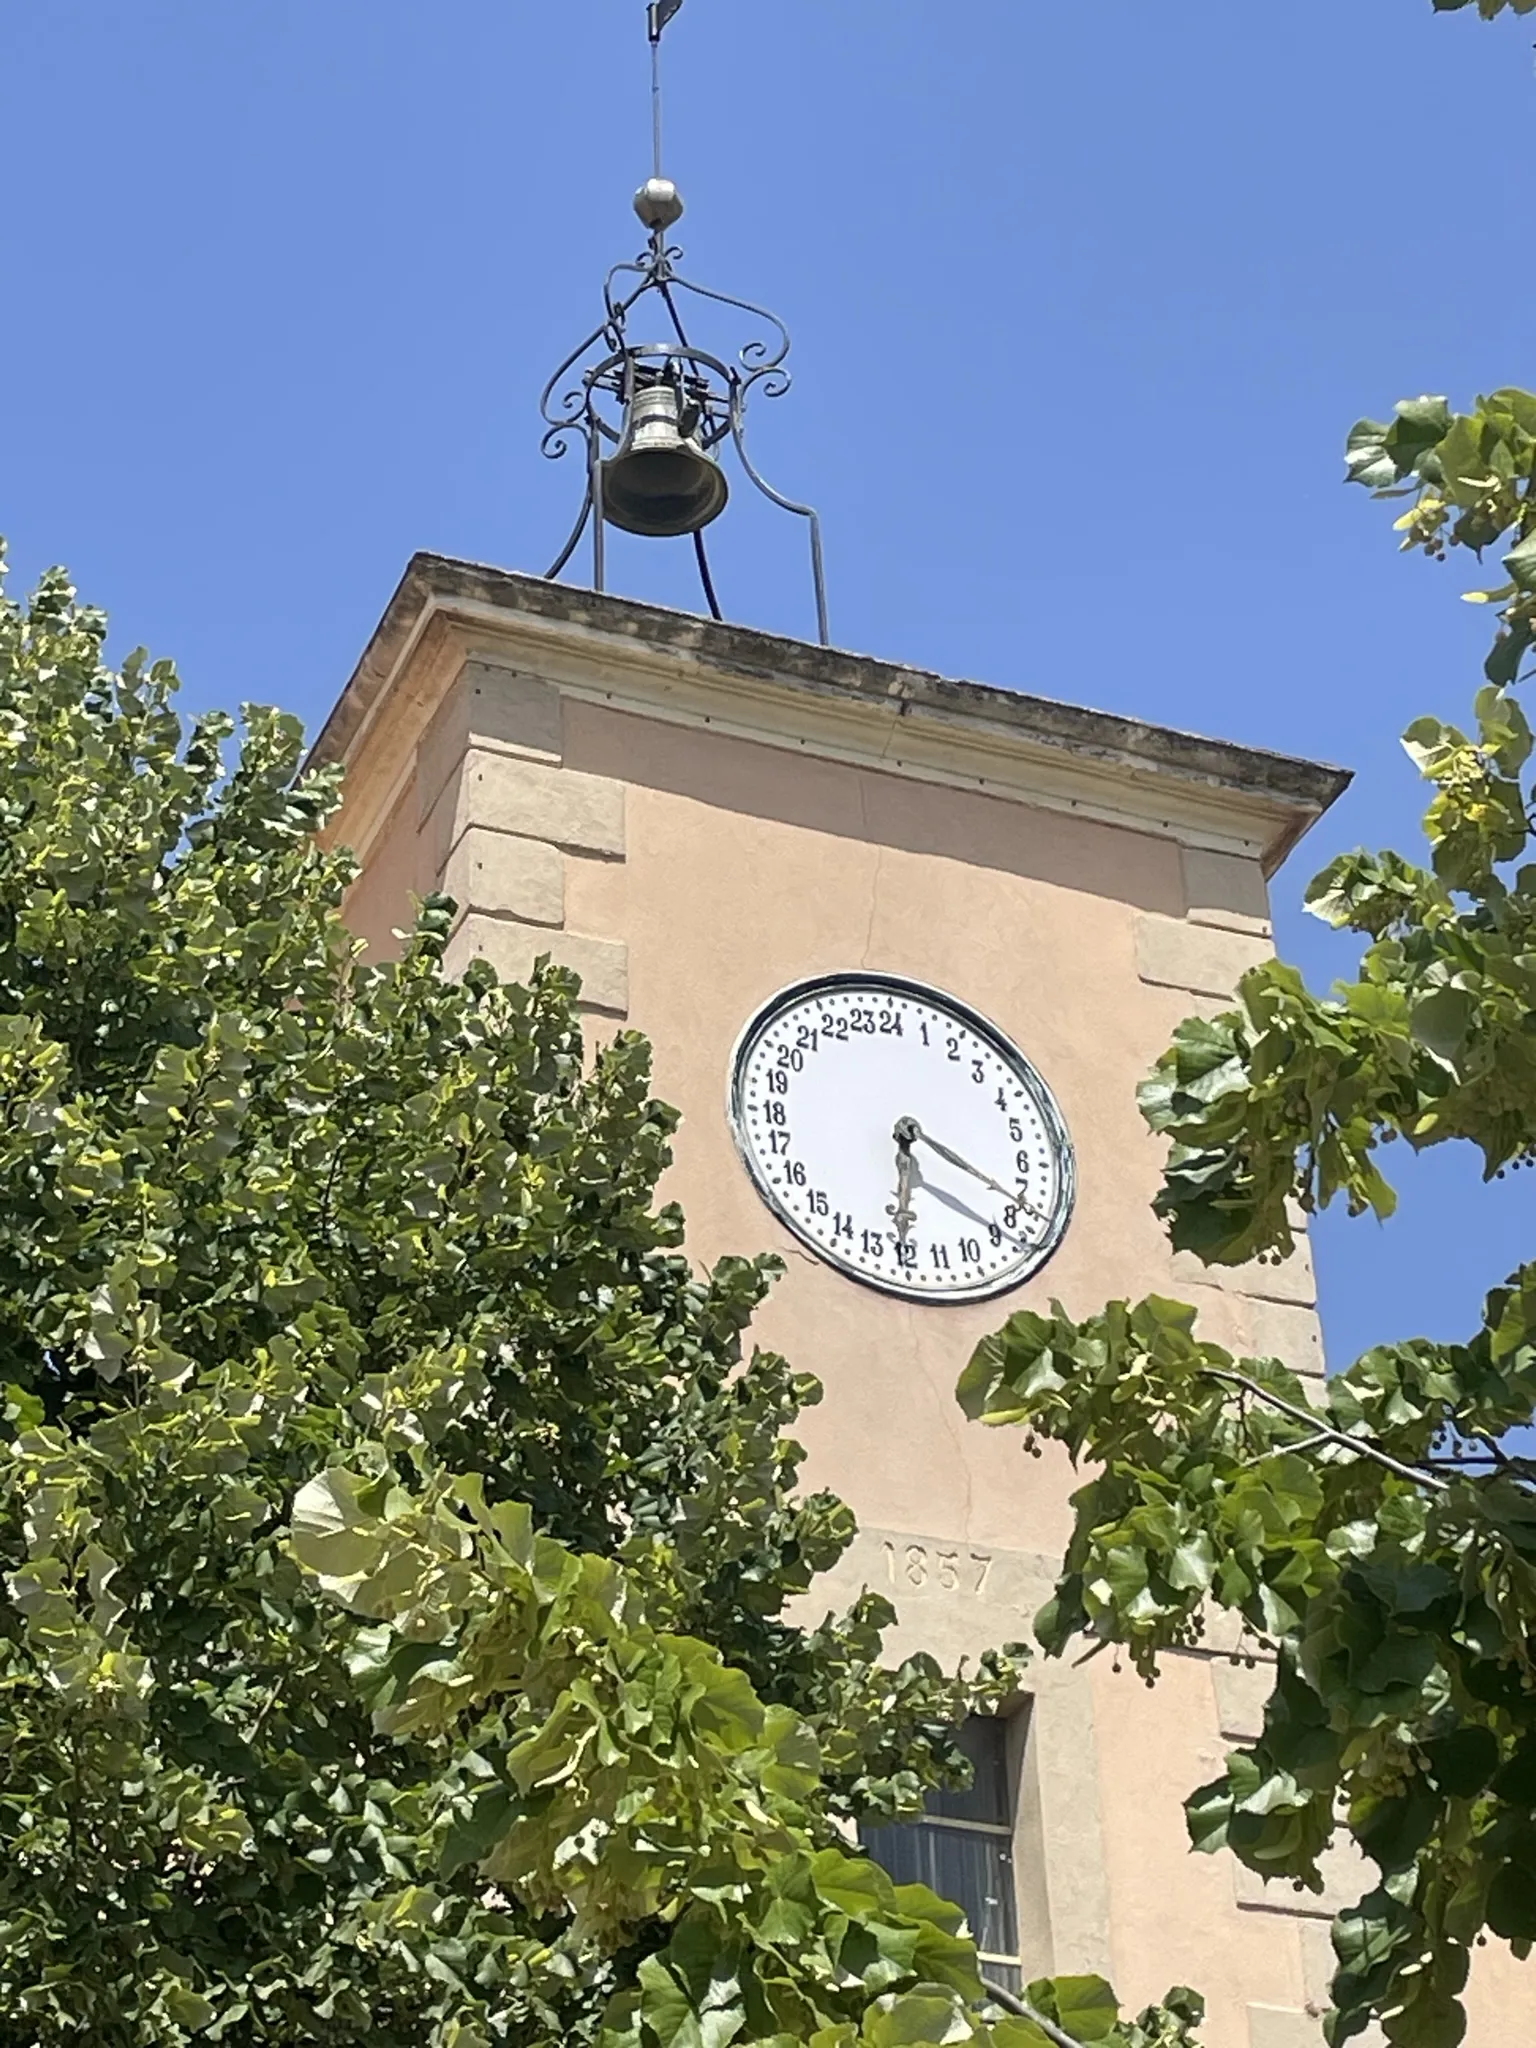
x: 1085, y: 298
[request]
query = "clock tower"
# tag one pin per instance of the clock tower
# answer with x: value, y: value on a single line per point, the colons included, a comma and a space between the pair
x: 904, y: 947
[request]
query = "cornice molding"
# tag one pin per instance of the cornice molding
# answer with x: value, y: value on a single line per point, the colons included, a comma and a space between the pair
x: 791, y: 695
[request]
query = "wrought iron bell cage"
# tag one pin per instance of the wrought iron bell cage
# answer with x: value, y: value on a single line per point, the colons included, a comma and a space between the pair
x: 653, y: 418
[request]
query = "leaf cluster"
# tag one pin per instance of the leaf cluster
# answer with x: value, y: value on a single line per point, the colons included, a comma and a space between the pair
x: 629, y: 1775
x: 1395, y: 1599
x: 1377, y: 1541
x: 1471, y: 479
x: 266, y: 1210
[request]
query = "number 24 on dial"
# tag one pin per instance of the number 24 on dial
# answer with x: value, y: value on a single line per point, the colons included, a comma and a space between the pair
x: 902, y: 1136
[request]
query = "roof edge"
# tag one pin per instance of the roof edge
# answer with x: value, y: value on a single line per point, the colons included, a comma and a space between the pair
x: 435, y: 583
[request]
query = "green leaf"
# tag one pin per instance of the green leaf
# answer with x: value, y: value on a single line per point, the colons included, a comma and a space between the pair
x: 471, y: 1839
x: 1392, y: 1831
x: 334, y: 1534
x: 1520, y: 563
x: 1463, y: 1762
x: 1083, y: 2007
x: 1512, y: 1903
x: 1442, y: 1020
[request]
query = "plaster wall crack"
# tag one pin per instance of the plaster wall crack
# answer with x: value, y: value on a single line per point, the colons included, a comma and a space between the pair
x: 874, y: 905
x: 874, y: 882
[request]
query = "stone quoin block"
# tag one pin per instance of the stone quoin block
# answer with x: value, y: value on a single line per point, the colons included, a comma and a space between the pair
x: 1250, y: 1326
x: 1275, y: 2026
x: 1294, y: 1281
x: 1241, y: 1690
x: 501, y: 710
x: 1287, y: 1330
x: 1201, y: 958
x: 505, y: 876
x: 512, y: 948
x: 1318, y: 1964
x: 1347, y: 1877
x: 1222, y: 889
x: 583, y: 812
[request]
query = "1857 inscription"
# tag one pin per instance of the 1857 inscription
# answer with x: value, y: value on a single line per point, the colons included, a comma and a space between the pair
x: 918, y: 1565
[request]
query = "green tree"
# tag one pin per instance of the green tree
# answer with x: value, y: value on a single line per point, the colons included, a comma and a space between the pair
x: 1380, y: 1539
x: 505, y: 1737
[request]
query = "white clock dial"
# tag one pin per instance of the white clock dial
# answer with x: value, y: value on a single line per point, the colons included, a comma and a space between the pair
x: 905, y: 1139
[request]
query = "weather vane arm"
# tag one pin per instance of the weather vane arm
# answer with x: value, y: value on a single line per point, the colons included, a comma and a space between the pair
x: 658, y: 14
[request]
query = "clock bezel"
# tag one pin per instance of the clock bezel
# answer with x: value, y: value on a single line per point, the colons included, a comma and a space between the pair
x: 1028, y: 1073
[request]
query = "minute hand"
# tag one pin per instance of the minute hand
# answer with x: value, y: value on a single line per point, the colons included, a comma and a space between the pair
x: 1010, y: 1195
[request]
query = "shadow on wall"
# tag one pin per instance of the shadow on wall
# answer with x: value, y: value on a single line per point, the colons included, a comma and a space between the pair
x: 842, y: 801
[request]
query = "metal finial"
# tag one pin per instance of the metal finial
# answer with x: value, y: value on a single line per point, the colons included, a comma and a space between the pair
x: 659, y: 204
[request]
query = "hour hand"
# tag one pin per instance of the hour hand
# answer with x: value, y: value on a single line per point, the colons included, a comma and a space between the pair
x: 903, y: 1214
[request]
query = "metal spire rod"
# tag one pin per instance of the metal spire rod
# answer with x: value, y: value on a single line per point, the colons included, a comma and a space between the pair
x: 657, y: 15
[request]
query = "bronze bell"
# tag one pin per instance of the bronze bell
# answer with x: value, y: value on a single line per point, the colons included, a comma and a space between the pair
x: 660, y: 479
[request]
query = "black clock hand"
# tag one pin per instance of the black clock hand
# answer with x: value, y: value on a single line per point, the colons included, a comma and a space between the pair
x: 915, y: 1134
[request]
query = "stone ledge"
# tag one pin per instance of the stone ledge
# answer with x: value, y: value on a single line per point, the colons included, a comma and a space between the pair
x: 1203, y: 959
x: 504, y: 876
x: 511, y: 948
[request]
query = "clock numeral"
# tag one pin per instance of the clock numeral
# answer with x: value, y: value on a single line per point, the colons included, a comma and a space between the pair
x: 890, y: 1024
x: 953, y: 1045
x: 1022, y: 1163
x: 792, y: 1058
x: 805, y: 1039
x: 1010, y: 1217
x: 978, y: 1072
x: 906, y: 1257
x: 1015, y: 1128
x: 874, y: 1244
x: 1002, y: 1103
x: 796, y: 1173
x: 778, y: 1144
x: 994, y: 1233
x: 842, y: 1226
x: 939, y: 1253
x: 970, y: 1251
x: 819, y: 1205
x: 778, y: 1081
x: 776, y: 1113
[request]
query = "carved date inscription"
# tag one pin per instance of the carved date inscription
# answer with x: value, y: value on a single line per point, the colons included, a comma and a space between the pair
x: 952, y: 1571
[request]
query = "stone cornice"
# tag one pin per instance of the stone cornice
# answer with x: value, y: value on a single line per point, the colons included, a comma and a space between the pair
x: 790, y: 694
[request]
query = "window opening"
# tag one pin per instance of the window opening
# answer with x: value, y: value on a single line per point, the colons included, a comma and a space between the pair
x: 962, y: 1848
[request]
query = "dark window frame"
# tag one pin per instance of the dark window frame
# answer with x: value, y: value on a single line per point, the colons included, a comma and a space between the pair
x: 985, y: 1813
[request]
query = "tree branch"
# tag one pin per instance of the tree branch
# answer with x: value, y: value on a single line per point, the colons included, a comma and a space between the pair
x: 1021, y: 2009
x: 1323, y: 1434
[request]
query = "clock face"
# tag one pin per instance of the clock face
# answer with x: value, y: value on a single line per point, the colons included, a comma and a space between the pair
x: 902, y: 1137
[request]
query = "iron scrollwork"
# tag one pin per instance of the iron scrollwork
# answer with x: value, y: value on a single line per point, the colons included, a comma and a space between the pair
x: 607, y: 367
